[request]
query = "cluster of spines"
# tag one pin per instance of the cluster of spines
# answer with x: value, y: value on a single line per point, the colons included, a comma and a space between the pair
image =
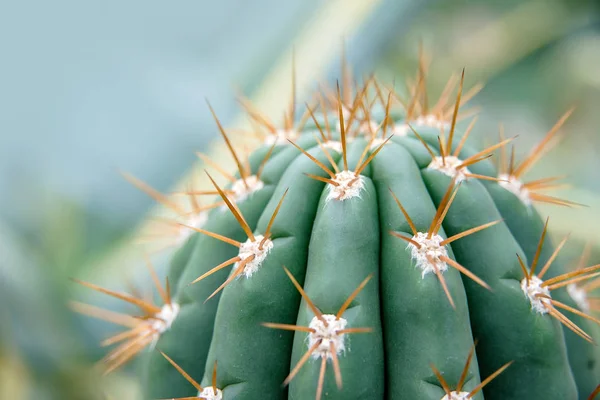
x: 443, y: 115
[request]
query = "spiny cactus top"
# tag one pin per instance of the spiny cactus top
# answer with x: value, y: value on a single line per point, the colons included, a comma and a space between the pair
x: 364, y: 251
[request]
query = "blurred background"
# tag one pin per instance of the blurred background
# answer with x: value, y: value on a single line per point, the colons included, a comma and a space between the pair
x: 91, y: 88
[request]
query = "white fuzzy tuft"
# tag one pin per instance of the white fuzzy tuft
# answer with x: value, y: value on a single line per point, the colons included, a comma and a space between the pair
x: 580, y: 297
x: 162, y: 321
x: 196, y: 221
x: 241, y: 190
x: 349, y: 186
x: 368, y: 128
x: 457, y: 396
x: 208, y: 393
x: 515, y: 186
x: 430, y: 249
x: 165, y: 317
x: 250, y: 248
x: 427, y: 121
x: 431, y: 121
x: 281, y: 136
x: 333, y: 145
x: 327, y: 335
x: 534, y: 288
x: 400, y: 129
x: 448, y: 165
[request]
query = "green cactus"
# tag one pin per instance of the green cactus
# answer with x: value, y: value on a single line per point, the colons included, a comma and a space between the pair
x: 361, y: 255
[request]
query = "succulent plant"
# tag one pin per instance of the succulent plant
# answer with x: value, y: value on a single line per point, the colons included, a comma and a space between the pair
x: 365, y: 251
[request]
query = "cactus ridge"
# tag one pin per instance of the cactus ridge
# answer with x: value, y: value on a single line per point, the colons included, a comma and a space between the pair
x: 374, y: 240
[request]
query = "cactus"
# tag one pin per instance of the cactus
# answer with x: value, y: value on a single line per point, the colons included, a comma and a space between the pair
x: 365, y: 251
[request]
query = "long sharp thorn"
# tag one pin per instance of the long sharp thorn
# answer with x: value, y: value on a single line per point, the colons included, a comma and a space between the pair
x: 407, y: 239
x: 442, y: 150
x: 511, y: 163
x: 156, y: 281
x: 578, y: 279
x: 440, y: 210
x: 238, y: 271
x: 406, y: 216
x: 336, y: 365
x: 524, y: 268
x: 104, y: 315
x: 372, y: 156
x: 443, y: 99
x: 469, y: 232
x: 455, y: 113
x: 342, y: 129
x: 553, y: 200
x: 238, y: 215
x: 441, y: 379
x: 569, y: 324
x: 183, y: 373
x: 264, y: 161
x: 354, y: 330
x: 168, y: 290
x: 241, y: 169
x: 122, y: 336
x: 313, y: 159
x: 538, y: 251
x: 153, y: 193
x: 553, y: 257
x: 327, y: 154
x: 564, y: 306
x: 322, y: 104
x: 442, y: 216
x: 321, y: 179
x: 485, y: 177
x: 387, y: 115
x: 214, y: 378
x: 217, y: 268
x: 321, y: 378
x: 503, y: 166
x: 316, y: 122
x: 301, y: 362
x: 465, y: 271
x: 274, y: 215
x: 216, y: 166
x: 352, y: 296
x: 487, y: 380
x: 485, y: 153
x: 465, y: 371
x: 146, y: 307
x: 538, y: 150
x: 423, y: 142
x: 465, y: 136
x: 569, y: 275
x: 288, y: 327
x: 442, y: 280
x: 214, y: 235
x: 307, y: 299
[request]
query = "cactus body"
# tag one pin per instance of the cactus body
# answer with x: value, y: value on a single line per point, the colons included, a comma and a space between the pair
x: 330, y: 246
x: 353, y: 265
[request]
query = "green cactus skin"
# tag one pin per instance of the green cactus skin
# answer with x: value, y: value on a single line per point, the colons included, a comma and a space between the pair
x: 194, y: 313
x: 314, y: 237
x: 349, y: 258
x: 525, y: 225
x: 405, y: 313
